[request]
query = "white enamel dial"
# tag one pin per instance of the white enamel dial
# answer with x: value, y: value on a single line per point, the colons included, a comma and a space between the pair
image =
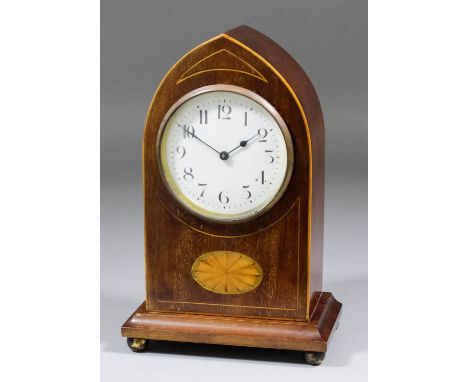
x: 225, y: 156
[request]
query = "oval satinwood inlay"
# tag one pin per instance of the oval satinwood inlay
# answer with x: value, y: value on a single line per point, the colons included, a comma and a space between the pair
x: 227, y: 272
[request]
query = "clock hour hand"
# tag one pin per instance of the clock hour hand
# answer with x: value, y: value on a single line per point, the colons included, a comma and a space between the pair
x: 192, y: 134
x: 243, y: 143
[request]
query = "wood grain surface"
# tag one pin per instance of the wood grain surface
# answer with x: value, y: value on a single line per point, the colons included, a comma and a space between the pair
x: 313, y: 335
x: 287, y: 240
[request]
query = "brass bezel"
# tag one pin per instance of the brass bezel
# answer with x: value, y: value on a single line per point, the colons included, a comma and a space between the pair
x: 179, y: 195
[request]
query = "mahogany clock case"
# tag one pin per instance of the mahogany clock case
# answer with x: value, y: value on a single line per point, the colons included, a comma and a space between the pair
x: 288, y: 309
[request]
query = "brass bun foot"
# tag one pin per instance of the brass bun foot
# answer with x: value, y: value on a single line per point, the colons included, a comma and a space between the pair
x: 137, y: 345
x: 314, y: 358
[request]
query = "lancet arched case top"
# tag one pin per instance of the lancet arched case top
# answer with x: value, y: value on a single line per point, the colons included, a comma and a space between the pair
x: 233, y: 168
x: 226, y: 60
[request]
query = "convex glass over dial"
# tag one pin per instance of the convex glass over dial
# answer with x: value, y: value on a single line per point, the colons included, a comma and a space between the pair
x: 225, y: 153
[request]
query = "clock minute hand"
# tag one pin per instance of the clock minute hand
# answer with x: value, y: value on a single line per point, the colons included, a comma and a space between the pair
x: 243, y: 143
x: 202, y: 141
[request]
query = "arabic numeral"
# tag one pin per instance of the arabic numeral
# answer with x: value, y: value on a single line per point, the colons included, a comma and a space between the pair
x: 249, y: 194
x: 271, y: 157
x: 203, y: 117
x: 189, y: 131
x: 188, y: 174
x: 203, y: 189
x: 261, y: 177
x: 181, y: 151
x: 224, y: 199
x: 263, y: 134
x: 224, y: 111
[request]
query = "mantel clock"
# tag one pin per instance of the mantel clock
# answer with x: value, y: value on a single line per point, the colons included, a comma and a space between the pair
x: 233, y: 169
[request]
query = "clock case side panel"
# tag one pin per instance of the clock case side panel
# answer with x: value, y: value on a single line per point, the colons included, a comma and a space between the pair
x: 306, y: 95
x: 195, y: 236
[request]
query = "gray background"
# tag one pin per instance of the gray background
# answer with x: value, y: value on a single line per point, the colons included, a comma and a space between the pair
x: 140, y: 41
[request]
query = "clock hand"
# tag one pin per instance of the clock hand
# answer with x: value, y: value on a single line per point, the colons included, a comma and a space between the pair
x: 243, y: 143
x: 206, y: 144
